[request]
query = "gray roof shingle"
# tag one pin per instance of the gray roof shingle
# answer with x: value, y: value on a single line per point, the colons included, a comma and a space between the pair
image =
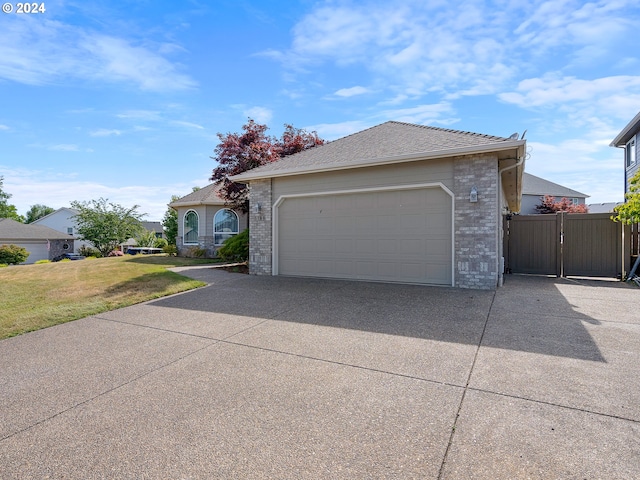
x: 205, y: 196
x: 375, y: 145
x: 12, y: 230
x: 532, y: 185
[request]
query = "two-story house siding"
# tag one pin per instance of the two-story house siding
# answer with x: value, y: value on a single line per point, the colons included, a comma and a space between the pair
x: 628, y: 140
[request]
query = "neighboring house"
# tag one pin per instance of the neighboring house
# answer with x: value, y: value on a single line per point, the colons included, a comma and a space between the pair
x: 205, y: 222
x: 155, y: 227
x: 42, y: 243
x: 396, y: 203
x: 535, y: 188
x: 628, y: 139
x: 606, y: 207
x: 62, y: 220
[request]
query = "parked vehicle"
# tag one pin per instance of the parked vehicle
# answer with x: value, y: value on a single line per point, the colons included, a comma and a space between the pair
x: 70, y: 256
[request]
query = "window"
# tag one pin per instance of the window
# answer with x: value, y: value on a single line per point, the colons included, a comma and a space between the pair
x: 70, y: 230
x: 575, y: 200
x: 225, y: 225
x: 630, y: 153
x: 190, y: 227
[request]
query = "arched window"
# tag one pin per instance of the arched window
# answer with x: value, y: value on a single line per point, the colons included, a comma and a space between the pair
x: 225, y: 225
x: 190, y: 227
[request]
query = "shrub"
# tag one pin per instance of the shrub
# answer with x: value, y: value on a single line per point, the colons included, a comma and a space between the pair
x: 195, y: 252
x: 42, y: 261
x: 89, y: 252
x: 3, y: 265
x: 170, y: 250
x: 236, y: 248
x: 13, y: 254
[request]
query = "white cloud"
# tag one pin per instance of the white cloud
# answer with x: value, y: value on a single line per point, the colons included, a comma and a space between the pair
x: 551, y: 90
x: 350, y: 92
x: 28, y: 187
x: 332, y: 131
x: 187, y: 124
x: 422, y: 114
x: 147, y: 115
x: 454, y: 48
x: 3, y: 127
x: 64, y: 147
x: 58, y: 52
x: 104, y: 132
x: 259, y: 114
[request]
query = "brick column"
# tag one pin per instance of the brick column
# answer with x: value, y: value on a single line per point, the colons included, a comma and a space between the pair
x: 260, y: 237
x: 476, y: 237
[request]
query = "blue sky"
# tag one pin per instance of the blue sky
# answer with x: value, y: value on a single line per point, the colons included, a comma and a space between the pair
x: 123, y: 100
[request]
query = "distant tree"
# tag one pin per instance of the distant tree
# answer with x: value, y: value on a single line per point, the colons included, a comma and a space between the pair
x: 13, y: 254
x: 237, y: 153
x: 106, y: 225
x: 38, y: 211
x: 549, y: 204
x: 7, y: 210
x: 148, y: 239
x: 170, y: 222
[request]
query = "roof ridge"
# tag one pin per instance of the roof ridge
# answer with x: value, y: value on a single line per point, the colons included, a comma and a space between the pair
x: 449, y: 130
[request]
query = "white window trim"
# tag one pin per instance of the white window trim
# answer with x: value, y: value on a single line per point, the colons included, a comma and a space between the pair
x: 225, y: 233
x: 282, y: 198
x: 630, y: 147
x: 184, y: 217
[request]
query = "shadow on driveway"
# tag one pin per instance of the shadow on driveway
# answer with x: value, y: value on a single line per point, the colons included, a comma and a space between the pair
x: 528, y: 314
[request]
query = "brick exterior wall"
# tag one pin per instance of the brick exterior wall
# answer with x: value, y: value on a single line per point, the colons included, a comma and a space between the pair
x: 203, y: 242
x: 56, y: 248
x: 476, y: 239
x: 260, y: 234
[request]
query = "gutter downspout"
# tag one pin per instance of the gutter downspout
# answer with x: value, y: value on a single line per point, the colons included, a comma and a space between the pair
x: 499, y: 221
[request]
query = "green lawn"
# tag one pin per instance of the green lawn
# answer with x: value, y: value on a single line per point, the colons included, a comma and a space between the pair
x: 39, y: 296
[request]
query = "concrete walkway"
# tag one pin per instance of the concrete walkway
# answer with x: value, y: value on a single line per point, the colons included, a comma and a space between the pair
x: 269, y: 377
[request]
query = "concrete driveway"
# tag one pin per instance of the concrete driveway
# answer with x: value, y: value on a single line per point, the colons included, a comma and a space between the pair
x: 268, y: 377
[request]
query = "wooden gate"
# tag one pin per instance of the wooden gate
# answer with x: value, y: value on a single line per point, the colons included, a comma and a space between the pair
x: 565, y: 245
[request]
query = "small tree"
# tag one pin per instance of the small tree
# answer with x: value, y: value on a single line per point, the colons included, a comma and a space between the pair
x: 170, y: 222
x: 106, y: 225
x: 549, y: 204
x: 629, y: 211
x: 7, y: 210
x: 38, y: 211
x: 237, y: 153
x: 13, y: 254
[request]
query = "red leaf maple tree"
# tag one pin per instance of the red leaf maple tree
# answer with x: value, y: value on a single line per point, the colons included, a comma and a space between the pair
x: 550, y: 205
x: 239, y: 152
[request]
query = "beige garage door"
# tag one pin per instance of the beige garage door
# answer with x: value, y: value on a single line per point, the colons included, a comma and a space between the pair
x: 37, y: 251
x: 397, y: 236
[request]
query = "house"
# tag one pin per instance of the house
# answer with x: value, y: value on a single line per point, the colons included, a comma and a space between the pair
x: 395, y: 203
x: 62, y: 220
x: 606, y: 207
x: 628, y: 140
x: 42, y: 243
x: 534, y: 188
x: 204, y: 222
x: 155, y: 227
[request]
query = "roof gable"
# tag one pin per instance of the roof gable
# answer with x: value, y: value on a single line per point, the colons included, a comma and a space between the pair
x: 390, y: 142
x: 532, y: 185
x: 65, y: 211
x: 12, y: 230
x: 632, y: 128
x: 204, y: 196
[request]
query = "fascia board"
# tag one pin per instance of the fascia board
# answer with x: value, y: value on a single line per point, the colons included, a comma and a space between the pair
x: 623, y: 137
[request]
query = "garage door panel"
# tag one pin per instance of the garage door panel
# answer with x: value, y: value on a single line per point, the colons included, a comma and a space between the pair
x: 402, y: 236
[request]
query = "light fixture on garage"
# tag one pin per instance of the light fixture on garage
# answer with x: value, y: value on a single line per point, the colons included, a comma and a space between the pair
x: 258, y: 207
x: 473, y: 196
